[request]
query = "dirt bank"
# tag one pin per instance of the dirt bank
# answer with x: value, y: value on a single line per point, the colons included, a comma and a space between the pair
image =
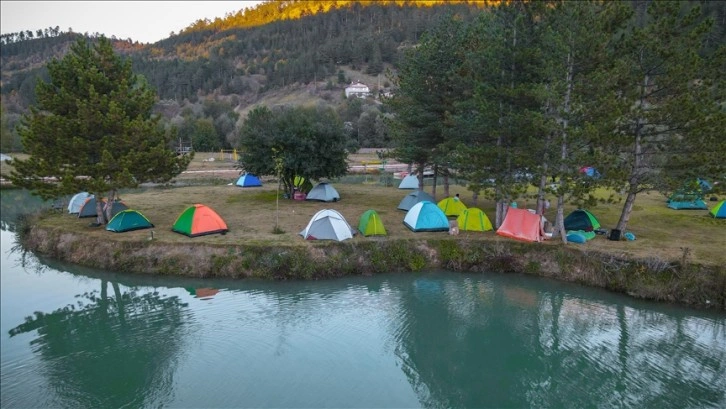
x: 690, y: 284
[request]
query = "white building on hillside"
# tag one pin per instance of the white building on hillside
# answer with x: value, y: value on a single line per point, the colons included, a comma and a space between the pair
x: 357, y: 89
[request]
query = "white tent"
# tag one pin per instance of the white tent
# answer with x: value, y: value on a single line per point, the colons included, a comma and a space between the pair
x: 4, y: 157
x: 409, y: 182
x: 77, y: 201
x: 323, y: 192
x: 328, y: 224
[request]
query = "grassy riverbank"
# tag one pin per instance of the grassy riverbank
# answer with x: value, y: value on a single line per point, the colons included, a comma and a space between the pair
x: 678, y: 255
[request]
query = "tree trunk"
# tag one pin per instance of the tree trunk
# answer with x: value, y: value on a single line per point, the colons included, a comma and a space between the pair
x: 100, y: 218
x: 475, y: 198
x: 560, y: 218
x: 436, y: 178
x: 446, y: 184
x: 419, y: 171
x: 559, y: 227
x: 109, y: 203
x: 636, y: 173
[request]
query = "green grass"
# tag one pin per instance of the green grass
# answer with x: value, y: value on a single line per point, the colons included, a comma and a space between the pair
x: 662, y: 234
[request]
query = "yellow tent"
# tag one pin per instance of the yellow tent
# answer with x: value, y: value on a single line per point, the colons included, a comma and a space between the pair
x: 473, y: 219
x: 452, y: 206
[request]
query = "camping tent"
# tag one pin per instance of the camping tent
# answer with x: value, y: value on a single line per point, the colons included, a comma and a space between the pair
x: 719, y: 211
x: 414, y: 197
x: 590, y: 171
x: 116, y: 207
x: 327, y: 224
x: 370, y: 224
x: 74, y: 206
x: 409, y: 182
x: 521, y: 224
x: 452, y: 206
x: 473, y: 219
x: 248, y: 180
x: 426, y: 216
x: 683, y: 201
x: 88, y: 208
x: 323, y: 192
x: 199, y: 220
x: 581, y: 219
x: 127, y: 220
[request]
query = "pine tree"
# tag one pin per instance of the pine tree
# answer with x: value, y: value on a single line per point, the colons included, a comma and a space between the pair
x: 92, y: 129
x: 667, y: 116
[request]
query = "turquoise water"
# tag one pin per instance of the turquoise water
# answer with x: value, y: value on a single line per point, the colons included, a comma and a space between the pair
x: 78, y: 338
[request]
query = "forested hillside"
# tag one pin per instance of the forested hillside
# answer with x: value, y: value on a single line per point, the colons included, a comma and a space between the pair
x: 209, y: 75
x: 309, y: 50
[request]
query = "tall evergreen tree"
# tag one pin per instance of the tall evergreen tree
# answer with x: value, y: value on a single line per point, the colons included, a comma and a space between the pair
x: 666, y: 102
x: 502, y: 119
x: 428, y: 87
x: 92, y: 129
x: 574, y: 45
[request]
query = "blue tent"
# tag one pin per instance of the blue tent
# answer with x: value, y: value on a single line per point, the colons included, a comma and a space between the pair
x: 248, y: 180
x: 426, y: 216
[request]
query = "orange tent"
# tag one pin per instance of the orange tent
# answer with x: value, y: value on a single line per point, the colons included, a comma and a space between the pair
x: 199, y: 220
x: 520, y: 224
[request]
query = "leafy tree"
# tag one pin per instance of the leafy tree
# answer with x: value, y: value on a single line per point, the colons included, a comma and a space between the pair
x: 92, y: 129
x: 310, y: 142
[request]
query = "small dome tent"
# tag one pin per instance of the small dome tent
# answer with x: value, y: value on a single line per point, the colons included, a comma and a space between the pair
x: 323, y: 192
x: 248, y: 180
x: 409, y: 182
x: 687, y: 201
x: 474, y: 219
x: 426, y: 216
x: 414, y: 197
x: 77, y: 201
x: 327, y: 224
x: 581, y: 219
x: 719, y: 211
x: 88, y: 209
x: 199, y: 220
x: 128, y: 220
x: 116, y: 207
x: 452, y: 206
x: 370, y: 224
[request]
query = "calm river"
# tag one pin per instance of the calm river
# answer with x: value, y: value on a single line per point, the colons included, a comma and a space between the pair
x: 79, y: 338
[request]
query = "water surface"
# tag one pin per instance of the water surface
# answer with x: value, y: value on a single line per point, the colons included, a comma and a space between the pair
x: 83, y: 338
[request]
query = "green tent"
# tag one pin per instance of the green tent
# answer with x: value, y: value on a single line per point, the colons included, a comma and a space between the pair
x: 581, y: 219
x: 127, y: 220
x: 719, y: 211
x: 370, y: 224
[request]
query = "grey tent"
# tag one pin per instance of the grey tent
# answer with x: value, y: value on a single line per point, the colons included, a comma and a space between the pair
x: 88, y: 209
x: 116, y: 207
x: 323, y: 192
x: 413, y: 198
x: 409, y: 182
x: 328, y: 224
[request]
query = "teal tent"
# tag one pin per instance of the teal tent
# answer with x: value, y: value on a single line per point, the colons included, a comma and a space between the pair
x: 426, y: 216
x: 128, y: 220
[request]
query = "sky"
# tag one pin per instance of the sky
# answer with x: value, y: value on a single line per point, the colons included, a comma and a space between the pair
x: 143, y: 21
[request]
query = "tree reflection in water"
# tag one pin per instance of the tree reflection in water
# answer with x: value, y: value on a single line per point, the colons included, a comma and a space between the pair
x: 480, y: 345
x: 110, y: 351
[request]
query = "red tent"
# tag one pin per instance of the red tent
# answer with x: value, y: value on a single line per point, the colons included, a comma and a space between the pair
x: 520, y: 224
